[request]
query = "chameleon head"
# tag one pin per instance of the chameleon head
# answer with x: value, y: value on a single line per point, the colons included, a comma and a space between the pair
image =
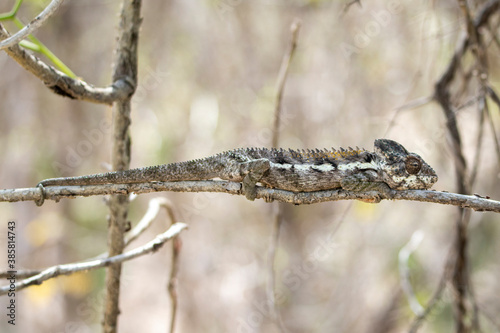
x: 402, y: 170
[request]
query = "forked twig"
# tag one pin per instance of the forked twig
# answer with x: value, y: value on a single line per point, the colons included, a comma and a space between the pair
x: 31, y: 27
x: 68, y: 269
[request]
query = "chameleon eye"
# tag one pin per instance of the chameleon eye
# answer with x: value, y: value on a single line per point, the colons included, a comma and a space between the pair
x: 413, y: 165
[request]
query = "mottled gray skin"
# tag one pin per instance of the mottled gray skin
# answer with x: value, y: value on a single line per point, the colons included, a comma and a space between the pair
x: 390, y: 166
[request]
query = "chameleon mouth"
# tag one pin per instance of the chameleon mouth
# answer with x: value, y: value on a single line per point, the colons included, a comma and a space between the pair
x: 414, y: 182
x: 430, y: 181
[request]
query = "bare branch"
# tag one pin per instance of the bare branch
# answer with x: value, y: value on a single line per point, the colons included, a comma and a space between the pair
x: 277, y: 208
x: 64, y: 85
x: 174, y: 271
x: 125, y: 67
x: 153, y: 209
x: 485, y: 13
x: 474, y: 202
x: 68, y: 269
x: 280, y: 84
x: 31, y: 27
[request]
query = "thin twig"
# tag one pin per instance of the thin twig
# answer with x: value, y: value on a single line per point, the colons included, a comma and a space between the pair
x: 280, y: 84
x: 278, y: 209
x: 172, y: 281
x: 174, y: 271
x: 153, y: 209
x: 31, y: 27
x: 349, y: 4
x: 416, y: 103
x: 67, y: 269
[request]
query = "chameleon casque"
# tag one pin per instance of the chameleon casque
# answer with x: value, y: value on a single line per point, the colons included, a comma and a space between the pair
x: 389, y: 166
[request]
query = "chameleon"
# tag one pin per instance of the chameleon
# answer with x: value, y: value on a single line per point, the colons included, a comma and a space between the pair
x: 389, y: 167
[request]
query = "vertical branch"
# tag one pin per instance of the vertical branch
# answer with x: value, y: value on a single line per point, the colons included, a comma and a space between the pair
x: 459, y: 275
x: 125, y: 68
x: 172, y: 282
x: 280, y: 84
x: 442, y: 96
x: 278, y: 207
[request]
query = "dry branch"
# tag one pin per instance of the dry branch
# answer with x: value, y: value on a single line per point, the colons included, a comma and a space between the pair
x: 282, y: 75
x: 474, y: 202
x: 153, y: 209
x: 278, y: 209
x: 174, y: 271
x: 125, y: 68
x: 68, y: 269
x: 64, y: 85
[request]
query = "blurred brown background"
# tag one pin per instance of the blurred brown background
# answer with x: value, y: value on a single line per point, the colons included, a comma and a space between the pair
x: 206, y: 84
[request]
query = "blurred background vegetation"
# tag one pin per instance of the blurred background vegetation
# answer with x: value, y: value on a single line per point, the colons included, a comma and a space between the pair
x: 206, y: 84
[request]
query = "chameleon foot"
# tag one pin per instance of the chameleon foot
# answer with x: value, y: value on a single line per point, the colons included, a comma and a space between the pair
x: 253, y: 171
x: 249, y: 188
